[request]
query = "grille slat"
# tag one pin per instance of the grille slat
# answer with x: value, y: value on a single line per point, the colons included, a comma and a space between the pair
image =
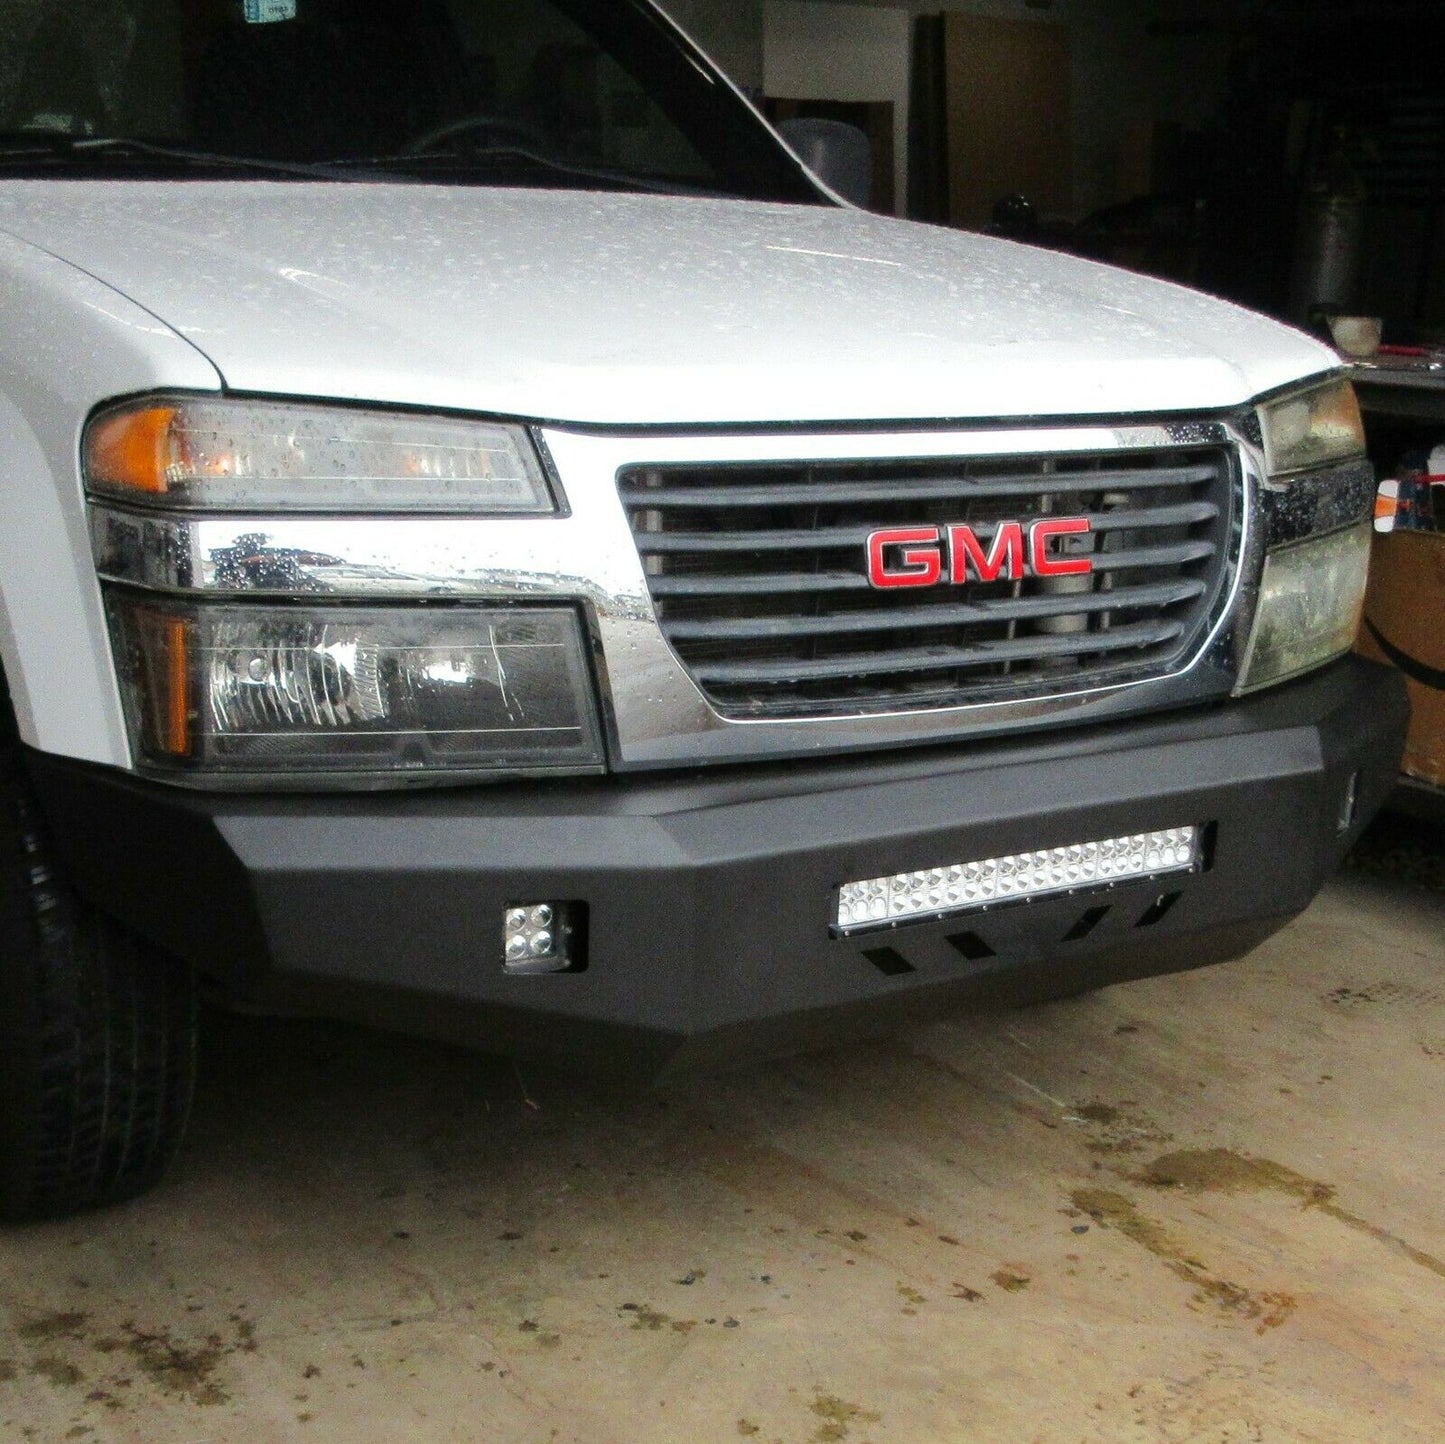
x: 1010, y: 609
x: 759, y: 576
x: 918, y: 489
x: 804, y: 538
x: 932, y: 659
x: 1178, y: 555
x: 700, y: 584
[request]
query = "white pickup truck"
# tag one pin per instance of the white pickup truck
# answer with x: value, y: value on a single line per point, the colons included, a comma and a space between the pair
x: 489, y: 544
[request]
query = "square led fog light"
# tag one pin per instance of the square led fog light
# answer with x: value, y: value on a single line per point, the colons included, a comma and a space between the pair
x: 219, y: 689
x: 546, y: 937
x: 964, y: 887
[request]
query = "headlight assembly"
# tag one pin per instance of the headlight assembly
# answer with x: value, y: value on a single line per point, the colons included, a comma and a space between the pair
x: 1309, y: 606
x: 214, y: 689
x: 1315, y: 504
x: 323, y: 679
x: 1311, y: 428
x: 230, y: 454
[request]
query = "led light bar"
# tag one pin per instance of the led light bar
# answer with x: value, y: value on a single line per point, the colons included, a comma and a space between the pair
x: 965, y: 887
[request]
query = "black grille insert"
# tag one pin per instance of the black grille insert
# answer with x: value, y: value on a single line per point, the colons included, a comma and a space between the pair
x: 759, y: 576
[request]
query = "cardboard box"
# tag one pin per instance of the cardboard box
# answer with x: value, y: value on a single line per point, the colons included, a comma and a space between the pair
x: 1404, y: 624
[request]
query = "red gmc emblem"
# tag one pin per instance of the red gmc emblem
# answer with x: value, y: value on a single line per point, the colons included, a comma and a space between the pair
x: 916, y: 556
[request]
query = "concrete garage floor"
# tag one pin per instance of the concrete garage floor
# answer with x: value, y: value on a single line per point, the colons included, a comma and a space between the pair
x: 1208, y: 1208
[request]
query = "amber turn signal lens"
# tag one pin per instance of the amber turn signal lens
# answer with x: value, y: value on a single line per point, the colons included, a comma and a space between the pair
x: 155, y: 652
x: 132, y: 449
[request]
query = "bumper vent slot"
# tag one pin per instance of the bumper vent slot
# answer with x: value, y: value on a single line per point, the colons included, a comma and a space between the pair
x: 971, y: 946
x: 889, y: 961
x: 759, y: 576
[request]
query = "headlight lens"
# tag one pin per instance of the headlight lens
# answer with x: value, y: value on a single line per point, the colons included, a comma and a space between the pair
x: 1311, y: 428
x: 269, y: 456
x: 271, y: 690
x: 1309, y: 606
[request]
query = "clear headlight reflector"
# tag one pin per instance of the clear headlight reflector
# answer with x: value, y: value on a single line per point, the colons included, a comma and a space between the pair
x: 1312, y: 428
x: 1310, y: 599
x: 268, y: 456
x: 228, y: 689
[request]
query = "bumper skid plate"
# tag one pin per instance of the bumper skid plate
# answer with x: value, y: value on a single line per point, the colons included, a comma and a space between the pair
x: 710, y: 900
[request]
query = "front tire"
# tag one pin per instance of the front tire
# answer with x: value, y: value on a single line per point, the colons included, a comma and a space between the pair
x: 97, y: 1035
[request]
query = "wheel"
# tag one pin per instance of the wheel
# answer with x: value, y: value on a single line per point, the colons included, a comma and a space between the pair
x: 97, y: 1035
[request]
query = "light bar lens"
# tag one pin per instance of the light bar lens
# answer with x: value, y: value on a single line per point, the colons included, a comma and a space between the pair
x: 1311, y: 428
x: 233, y: 455
x: 227, y: 689
x: 970, y: 886
x: 1310, y: 599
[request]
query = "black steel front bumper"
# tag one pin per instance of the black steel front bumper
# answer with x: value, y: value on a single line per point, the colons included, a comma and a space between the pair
x: 709, y: 895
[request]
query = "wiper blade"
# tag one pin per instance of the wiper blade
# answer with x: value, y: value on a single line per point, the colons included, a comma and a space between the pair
x: 60, y: 149
x: 471, y: 157
x: 39, y: 145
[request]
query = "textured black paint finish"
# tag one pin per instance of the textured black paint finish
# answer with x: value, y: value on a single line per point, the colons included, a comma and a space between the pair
x: 710, y: 895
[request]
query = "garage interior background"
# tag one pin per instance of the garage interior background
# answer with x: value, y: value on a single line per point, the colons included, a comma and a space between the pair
x: 1230, y: 117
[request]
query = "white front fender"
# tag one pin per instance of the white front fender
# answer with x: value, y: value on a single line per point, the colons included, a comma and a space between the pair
x: 67, y: 342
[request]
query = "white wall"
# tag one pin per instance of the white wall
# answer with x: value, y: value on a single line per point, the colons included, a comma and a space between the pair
x: 819, y: 51
x: 1119, y: 73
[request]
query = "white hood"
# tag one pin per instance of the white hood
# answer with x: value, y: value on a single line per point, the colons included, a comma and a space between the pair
x: 642, y: 310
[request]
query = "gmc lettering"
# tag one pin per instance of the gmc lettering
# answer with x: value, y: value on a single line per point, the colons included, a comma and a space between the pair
x: 914, y: 556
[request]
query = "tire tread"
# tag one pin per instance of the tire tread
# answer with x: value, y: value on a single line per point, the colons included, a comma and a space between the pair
x: 97, y: 1036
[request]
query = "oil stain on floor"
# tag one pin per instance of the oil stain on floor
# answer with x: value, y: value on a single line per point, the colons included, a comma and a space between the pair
x: 1220, y: 1170
x: 1114, y: 1210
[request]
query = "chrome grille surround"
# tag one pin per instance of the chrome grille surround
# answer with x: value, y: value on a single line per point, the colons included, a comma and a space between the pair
x: 655, y: 714
x: 759, y: 578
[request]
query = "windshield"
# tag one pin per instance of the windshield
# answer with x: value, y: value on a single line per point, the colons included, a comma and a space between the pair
x: 583, y: 93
